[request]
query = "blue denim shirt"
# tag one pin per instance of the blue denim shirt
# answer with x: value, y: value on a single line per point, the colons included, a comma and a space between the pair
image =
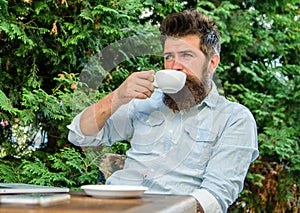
x: 209, y: 146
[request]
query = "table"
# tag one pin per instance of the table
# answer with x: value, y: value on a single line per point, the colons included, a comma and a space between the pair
x: 82, y: 203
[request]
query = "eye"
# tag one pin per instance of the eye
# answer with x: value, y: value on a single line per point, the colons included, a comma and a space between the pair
x: 169, y: 57
x: 187, y: 55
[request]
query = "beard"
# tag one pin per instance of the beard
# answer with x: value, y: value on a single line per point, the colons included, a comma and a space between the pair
x: 191, y: 94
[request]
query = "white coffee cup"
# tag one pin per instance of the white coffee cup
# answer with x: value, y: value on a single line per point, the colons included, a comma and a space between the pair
x: 169, y: 81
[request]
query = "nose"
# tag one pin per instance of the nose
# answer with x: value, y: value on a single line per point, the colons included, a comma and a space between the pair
x: 177, y: 65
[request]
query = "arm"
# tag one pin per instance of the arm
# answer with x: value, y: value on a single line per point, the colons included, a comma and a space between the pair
x: 230, y: 157
x: 137, y: 85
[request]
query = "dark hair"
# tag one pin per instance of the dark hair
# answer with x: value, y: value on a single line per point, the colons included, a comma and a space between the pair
x: 192, y: 22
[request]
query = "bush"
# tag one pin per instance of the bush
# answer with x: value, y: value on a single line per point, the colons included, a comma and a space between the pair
x: 46, y: 48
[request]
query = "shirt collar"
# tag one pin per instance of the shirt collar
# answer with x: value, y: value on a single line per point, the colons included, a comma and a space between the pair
x: 212, y: 97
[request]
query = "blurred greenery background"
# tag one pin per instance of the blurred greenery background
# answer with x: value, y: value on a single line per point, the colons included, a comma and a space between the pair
x: 46, y: 45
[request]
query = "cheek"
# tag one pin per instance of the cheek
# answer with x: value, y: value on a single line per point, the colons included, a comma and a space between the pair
x: 168, y: 65
x: 196, y: 69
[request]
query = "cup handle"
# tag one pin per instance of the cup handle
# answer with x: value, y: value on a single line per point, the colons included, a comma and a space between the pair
x: 154, y: 81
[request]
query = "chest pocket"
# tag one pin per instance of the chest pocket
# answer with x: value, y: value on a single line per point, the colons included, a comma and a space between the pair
x: 156, y: 118
x: 148, y: 131
x: 203, y: 140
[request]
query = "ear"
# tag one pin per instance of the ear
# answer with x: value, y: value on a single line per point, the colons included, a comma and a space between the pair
x: 213, y: 63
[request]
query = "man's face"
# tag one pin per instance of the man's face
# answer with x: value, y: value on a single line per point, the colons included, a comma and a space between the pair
x: 185, y: 55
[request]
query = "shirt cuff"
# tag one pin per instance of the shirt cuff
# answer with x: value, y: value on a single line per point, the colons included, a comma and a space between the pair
x: 76, y: 137
x: 208, y: 202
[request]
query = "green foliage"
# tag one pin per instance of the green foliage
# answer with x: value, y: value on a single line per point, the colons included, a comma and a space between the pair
x: 41, y: 40
x: 9, y: 171
x: 66, y: 168
x: 259, y: 70
x: 6, y: 106
x: 119, y: 148
x: 46, y: 46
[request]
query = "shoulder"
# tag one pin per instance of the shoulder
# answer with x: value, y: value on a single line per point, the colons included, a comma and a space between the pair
x: 234, y: 111
x: 240, y: 114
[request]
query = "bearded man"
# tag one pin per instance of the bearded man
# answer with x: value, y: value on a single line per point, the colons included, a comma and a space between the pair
x: 194, y: 142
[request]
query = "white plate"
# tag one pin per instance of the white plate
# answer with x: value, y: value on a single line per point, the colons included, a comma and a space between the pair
x: 113, y: 191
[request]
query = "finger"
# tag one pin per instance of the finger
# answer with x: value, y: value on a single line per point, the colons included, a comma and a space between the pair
x: 142, y: 96
x: 139, y: 95
x: 147, y: 75
x: 145, y: 83
x: 138, y: 85
x: 144, y: 89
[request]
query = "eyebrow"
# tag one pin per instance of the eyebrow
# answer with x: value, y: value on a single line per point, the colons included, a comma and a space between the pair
x: 180, y: 52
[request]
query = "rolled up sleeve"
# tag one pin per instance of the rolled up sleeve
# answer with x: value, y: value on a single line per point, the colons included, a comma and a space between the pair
x: 117, y: 127
x: 207, y: 201
x: 76, y: 137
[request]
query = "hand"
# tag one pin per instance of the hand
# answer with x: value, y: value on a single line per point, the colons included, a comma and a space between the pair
x: 137, y: 85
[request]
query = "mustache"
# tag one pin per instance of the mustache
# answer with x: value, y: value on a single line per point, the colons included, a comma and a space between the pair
x: 192, y: 77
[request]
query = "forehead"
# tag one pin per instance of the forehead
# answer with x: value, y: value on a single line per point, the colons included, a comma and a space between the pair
x: 186, y: 43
